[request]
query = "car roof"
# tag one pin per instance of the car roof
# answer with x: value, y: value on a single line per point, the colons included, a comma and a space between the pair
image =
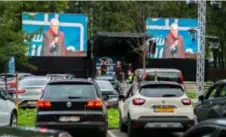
x: 77, y: 80
x: 36, y: 77
x: 158, y: 70
x: 102, y: 81
x: 144, y: 83
x: 220, y: 82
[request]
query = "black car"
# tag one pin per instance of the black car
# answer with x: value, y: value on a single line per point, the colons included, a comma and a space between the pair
x: 72, y: 104
x: 208, y: 128
x: 31, y: 132
x: 111, y: 79
x: 212, y: 103
x: 109, y: 94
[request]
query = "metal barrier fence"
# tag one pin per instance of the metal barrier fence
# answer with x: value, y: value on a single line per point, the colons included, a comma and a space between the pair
x: 191, y: 86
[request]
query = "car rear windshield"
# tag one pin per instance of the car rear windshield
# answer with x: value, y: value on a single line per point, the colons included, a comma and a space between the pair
x: 162, y: 91
x: 70, y: 91
x: 163, y: 76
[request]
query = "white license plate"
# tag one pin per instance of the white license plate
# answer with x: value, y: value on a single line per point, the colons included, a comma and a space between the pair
x: 69, y: 118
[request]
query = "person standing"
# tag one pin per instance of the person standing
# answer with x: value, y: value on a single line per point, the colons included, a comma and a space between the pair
x: 174, y: 44
x: 53, y: 41
x: 118, y: 69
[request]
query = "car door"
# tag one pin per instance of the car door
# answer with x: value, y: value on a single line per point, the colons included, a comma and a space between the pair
x: 4, y: 114
x: 202, y: 110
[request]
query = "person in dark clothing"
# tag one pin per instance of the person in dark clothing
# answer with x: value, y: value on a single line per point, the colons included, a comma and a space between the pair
x: 103, y: 68
x: 118, y: 69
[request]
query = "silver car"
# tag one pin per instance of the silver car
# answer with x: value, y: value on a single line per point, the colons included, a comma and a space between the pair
x: 30, y: 90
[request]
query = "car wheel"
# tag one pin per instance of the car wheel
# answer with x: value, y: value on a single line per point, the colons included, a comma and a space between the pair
x: 122, y: 126
x: 13, y: 120
x: 131, y: 132
x: 102, y: 134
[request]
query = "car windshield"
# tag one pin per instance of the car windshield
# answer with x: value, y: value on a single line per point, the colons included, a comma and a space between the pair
x: 161, y: 91
x: 33, y: 82
x: 105, y: 85
x: 163, y: 76
x: 70, y: 90
x: 104, y: 78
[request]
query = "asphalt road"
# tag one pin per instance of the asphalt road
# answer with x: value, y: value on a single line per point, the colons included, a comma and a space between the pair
x: 117, y: 133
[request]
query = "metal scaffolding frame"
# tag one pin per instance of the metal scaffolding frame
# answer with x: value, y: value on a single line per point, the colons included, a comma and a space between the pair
x: 200, y: 69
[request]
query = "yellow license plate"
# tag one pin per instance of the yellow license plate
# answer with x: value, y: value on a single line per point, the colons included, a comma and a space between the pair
x: 164, y: 109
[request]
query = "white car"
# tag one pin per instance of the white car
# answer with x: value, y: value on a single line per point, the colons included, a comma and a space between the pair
x: 155, y: 105
x: 8, y: 111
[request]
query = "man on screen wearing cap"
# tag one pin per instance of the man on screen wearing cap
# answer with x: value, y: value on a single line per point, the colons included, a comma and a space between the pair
x: 174, y: 44
x: 53, y: 41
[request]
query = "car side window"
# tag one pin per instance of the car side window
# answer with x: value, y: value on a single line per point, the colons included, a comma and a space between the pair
x: 213, y: 92
x: 222, y: 91
x: 222, y: 133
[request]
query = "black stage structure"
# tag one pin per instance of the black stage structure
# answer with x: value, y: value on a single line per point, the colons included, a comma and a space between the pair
x: 113, y: 44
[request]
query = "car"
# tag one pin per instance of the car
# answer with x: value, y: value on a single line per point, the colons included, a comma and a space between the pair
x: 60, y: 76
x: 155, y: 105
x: 161, y: 74
x: 8, y: 110
x: 110, y: 95
x: 11, y: 79
x: 31, y: 132
x: 72, y: 105
x: 208, y: 128
x: 212, y: 103
x: 30, y: 90
x: 110, y: 78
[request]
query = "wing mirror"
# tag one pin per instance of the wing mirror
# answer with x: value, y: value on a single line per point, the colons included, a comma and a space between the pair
x: 201, y: 98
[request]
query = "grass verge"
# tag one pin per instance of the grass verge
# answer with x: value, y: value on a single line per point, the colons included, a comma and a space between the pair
x: 26, y: 117
x: 192, y: 94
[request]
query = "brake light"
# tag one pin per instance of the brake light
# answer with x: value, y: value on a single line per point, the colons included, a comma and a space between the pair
x: 95, y: 104
x: 138, y: 101
x: 21, y: 91
x: 12, y: 83
x: 186, y: 101
x: 43, y: 104
x: 181, y: 78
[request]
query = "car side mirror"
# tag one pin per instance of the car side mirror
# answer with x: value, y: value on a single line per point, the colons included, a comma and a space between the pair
x: 121, y: 97
x: 201, y: 98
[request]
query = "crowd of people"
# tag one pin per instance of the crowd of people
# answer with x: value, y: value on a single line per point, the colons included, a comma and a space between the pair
x: 121, y: 68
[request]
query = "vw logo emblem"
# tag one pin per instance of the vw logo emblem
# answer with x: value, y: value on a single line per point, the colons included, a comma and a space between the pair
x: 69, y: 104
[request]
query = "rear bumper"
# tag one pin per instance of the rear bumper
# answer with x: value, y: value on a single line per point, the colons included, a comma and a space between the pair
x: 169, y: 123
x: 90, y: 125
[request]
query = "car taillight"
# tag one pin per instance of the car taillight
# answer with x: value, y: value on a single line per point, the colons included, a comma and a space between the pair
x: 95, y: 104
x: 21, y: 91
x: 12, y: 83
x: 138, y: 101
x: 43, y: 104
x: 186, y: 101
x: 181, y: 78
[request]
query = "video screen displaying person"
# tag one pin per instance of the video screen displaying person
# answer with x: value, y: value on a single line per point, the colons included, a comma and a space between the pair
x: 53, y: 41
x: 173, y: 44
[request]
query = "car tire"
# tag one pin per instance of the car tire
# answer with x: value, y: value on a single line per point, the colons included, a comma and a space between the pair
x: 122, y: 126
x: 13, y: 120
x: 131, y: 132
x: 102, y: 134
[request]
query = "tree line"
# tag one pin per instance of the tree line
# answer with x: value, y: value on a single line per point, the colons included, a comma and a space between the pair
x: 104, y: 16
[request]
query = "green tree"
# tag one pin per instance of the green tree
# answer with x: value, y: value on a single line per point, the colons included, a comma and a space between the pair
x: 11, y: 34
